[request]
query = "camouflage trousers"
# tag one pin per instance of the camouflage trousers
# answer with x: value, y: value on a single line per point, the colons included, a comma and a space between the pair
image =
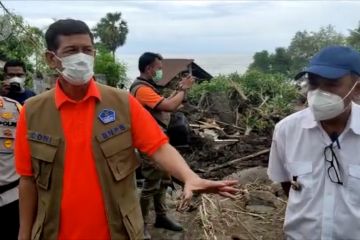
x: 154, y: 189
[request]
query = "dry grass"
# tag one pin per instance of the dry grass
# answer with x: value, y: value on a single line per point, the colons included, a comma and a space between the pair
x: 224, y: 218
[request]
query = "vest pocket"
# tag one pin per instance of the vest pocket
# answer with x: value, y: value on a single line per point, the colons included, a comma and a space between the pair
x: 132, y: 220
x: 120, y: 155
x: 43, y: 156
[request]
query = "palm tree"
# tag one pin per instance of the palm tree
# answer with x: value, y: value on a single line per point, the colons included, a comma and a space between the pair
x: 112, y: 31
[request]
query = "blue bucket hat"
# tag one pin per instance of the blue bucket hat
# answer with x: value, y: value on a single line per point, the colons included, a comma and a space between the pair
x: 333, y: 62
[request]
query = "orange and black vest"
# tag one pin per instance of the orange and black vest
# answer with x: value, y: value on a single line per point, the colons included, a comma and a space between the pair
x: 163, y: 118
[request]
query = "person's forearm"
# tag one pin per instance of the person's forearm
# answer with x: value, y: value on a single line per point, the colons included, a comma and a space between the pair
x: 28, y: 206
x: 172, y: 162
x: 173, y: 94
x: 177, y: 99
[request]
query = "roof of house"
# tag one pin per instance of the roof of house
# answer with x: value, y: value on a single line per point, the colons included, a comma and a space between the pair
x: 172, y: 67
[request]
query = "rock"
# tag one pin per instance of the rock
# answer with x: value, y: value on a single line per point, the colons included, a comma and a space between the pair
x: 250, y: 175
x: 264, y: 198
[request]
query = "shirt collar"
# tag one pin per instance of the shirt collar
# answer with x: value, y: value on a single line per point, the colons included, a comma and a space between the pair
x: 354, y: 118
x: 61, y: 97
x: 309, y: 121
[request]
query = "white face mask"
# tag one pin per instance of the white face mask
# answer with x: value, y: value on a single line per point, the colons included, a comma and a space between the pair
x: 325, y: 105
x: 20, y: 81
x: 78, y: 68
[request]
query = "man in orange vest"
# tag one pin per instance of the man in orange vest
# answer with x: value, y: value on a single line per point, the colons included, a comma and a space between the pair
x: 75, y: 150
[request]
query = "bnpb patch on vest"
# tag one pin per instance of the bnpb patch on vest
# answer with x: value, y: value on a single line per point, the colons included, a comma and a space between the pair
x: 107, y: 116
x: 113, y: 132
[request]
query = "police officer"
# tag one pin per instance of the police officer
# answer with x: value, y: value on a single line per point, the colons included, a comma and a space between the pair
x: 9, y: 180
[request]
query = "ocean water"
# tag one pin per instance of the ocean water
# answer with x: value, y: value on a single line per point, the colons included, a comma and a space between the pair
x: 215, y: 64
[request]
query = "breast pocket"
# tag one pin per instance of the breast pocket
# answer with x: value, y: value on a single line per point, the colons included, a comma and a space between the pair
x: 354, y: 184
x: 119, y: 154
x: 303, y: 173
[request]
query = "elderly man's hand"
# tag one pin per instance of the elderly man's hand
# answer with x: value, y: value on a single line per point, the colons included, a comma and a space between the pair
x: 225, y: 188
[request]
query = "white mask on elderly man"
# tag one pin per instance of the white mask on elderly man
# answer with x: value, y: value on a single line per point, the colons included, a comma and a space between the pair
x: 325, y: 105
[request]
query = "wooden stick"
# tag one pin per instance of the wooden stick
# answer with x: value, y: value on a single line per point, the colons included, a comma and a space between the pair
x: 239, y: 90
x: 231, y: 125
x: 246, y: 213
x: 238, y: 160
x: 206, y: 124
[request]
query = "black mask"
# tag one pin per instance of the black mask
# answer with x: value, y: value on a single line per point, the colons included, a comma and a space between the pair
x: 15, y: 87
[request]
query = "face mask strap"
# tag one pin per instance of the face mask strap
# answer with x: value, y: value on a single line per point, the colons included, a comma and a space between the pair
x: 352, y: 89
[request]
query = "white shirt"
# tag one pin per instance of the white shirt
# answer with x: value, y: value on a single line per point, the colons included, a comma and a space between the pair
x: 321, y: 209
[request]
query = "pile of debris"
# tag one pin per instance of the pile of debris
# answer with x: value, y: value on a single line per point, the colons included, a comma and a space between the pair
x: 220, y: 144
x: 231, y: 134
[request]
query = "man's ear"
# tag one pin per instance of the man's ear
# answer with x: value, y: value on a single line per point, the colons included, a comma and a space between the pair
x: 51, y: 60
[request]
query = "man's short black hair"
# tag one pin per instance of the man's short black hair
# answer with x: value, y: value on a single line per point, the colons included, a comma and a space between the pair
x: 14, y: 63
x: 65, y: 27
x: 148, y: 58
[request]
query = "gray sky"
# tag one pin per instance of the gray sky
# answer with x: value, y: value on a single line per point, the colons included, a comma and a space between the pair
x: 221, y: 36
x: 200, y: 27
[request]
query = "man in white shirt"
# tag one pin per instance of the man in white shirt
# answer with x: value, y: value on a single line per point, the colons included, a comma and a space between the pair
x: 315, y: 153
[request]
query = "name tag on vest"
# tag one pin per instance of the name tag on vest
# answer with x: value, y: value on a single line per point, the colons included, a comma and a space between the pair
x: 109, y: 133
x: 39, y: 137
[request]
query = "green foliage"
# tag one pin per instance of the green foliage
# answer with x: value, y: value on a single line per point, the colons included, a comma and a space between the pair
x: 304, y: 45
x: 217, y: 84
x: 279, y: 62
x: 114, y: 71
x: 25, y: 43
x: 270, y: 97
x: 112, y: 31
x: 261, y: 62
x: 354, y: 38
